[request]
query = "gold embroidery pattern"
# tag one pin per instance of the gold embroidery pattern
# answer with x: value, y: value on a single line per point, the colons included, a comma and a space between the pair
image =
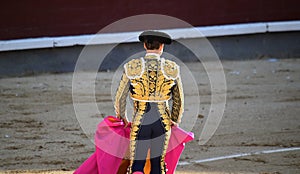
x: 121, y: 95
x: 165, y: 117
x: 178, y: 101
x: 152, y: 67
x: 152, y: 85
x: 170, y: 69
x: 151, y: 80
x: 134, y: 68
x: 135, y: 126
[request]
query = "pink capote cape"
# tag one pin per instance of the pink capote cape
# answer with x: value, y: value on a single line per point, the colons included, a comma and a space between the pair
x: 112, y: 142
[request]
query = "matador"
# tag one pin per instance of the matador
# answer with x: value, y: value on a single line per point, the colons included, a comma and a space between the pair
x: 154, y: 84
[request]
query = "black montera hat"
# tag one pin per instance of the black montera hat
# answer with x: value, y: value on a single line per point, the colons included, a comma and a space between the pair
x: 155, y: 36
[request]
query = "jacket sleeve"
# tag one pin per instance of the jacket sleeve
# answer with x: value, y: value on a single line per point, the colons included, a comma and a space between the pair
x: 178, y: 101
x: 121, y: 95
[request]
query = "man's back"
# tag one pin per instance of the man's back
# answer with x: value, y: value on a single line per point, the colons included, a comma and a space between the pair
x: 151, y: 78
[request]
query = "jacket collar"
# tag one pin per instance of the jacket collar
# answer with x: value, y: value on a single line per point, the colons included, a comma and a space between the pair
x: 152, y: 56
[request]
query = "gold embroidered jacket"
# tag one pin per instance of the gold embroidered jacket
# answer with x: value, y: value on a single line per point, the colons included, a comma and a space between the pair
x: 151, y: 79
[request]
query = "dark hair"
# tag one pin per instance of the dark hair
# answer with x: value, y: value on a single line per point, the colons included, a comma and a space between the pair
x: 152, y: 45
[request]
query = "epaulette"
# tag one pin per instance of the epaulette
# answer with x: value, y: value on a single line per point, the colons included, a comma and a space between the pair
x: 134, y: 68
x: 170, y: 69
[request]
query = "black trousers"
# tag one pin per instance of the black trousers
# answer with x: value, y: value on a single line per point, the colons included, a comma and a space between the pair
x: 151, y: 136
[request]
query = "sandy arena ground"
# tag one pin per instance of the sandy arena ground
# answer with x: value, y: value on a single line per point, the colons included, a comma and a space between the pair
x: 40, y: 133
